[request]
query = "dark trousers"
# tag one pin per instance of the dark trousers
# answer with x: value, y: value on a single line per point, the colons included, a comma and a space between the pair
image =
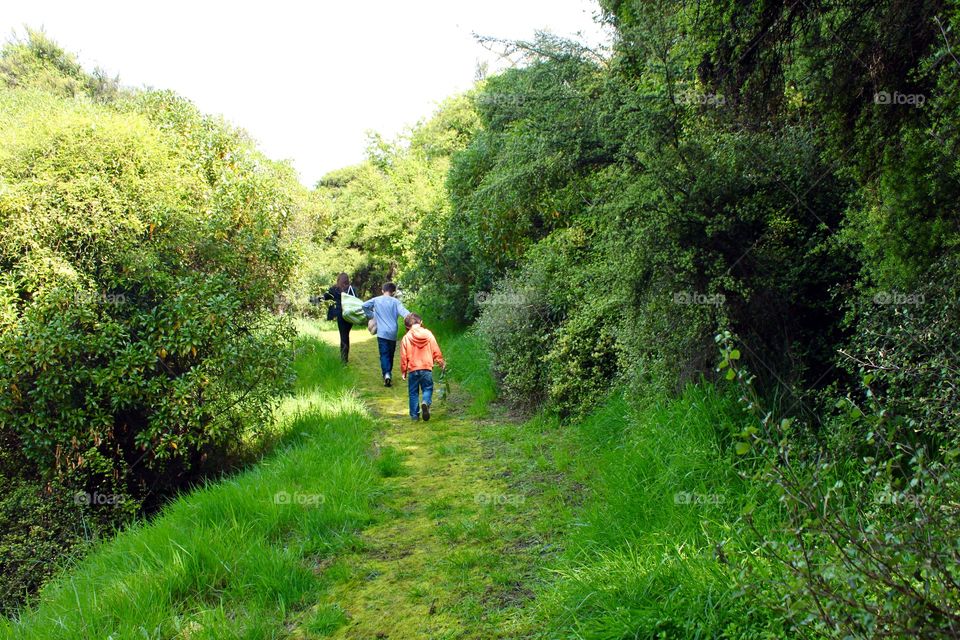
x: 344, y: 327
x: 387, y: 349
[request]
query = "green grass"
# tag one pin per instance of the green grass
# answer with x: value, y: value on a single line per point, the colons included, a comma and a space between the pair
x: 390, y: 462
x: 646, y: 507
x: 235, y: 558
x: 468, y: 364
x: 326, y: 620
x: 622, y: 525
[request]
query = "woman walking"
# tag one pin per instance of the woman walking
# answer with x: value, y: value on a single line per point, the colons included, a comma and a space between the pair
x: 336, y: 311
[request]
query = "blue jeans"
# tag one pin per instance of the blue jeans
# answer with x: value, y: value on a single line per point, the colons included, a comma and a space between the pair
x: 387, y: 349
x: 417, y: 380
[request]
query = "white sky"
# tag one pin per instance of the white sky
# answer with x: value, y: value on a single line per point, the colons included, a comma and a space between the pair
x: 306, y: 79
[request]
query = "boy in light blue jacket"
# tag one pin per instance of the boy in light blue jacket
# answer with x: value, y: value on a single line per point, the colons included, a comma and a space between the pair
x: 385, y: 310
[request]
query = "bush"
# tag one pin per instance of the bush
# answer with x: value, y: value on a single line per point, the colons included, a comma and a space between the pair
x: 40, y: 528
x: 583, y: 362
x: 518, y: 326
x: 38, y: 62
x: 141, y: 246
x: 907, y: 342
x: 870, y: 541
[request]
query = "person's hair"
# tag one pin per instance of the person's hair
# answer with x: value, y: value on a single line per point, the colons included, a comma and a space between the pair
x: 389, y: 286
x: 411, y: 320
x: 343, y: 277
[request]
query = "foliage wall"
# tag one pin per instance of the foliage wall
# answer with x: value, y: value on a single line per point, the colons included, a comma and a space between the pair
x: 142, y: 246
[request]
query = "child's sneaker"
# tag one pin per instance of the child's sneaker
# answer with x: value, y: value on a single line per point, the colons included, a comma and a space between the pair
x: 425, y: 411
x: 387, y: 381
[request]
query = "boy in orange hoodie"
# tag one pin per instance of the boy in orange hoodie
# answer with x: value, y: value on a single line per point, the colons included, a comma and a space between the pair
x: 418, y: 351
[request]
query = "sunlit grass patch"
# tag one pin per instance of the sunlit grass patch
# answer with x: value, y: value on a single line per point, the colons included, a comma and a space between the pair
x: 326, y: 620
x: 390, y: 462
x: 654, y: 547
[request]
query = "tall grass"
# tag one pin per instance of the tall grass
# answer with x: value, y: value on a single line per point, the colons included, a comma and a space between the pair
x: 654, y: 551
x: 469, y: 365
x: 235, y: 558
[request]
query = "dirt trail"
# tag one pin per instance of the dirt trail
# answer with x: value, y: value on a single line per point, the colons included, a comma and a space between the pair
x: 443, y: 560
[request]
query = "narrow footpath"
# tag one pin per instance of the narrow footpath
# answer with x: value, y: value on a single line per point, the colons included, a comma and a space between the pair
x: 453, y: 554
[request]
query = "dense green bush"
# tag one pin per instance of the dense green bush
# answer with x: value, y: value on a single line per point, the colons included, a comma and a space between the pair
x: 552, y: 328
x: 142, y: 244
x: 518, y: 325
x: 714, y: 189
x: 142, y: 248
x: 648, y: 236
x: 870, y: 538
x: 906, y: 342
x: 583, y: 360
x: 43, y: 526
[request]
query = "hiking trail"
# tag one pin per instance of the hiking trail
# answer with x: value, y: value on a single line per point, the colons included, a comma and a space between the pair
x: 452, y: 554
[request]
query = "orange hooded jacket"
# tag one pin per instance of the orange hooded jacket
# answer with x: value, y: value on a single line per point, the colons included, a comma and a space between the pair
x: 419, y: 350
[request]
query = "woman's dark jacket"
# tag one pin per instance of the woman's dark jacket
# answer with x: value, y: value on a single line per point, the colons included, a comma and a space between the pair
x: 336, y: 310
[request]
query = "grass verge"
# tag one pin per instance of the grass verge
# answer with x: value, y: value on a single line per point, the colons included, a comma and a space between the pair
x: 640, y: 519
x: 238, y: 557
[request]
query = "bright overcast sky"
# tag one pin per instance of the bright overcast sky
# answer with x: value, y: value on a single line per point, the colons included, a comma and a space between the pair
x: 306, y: 79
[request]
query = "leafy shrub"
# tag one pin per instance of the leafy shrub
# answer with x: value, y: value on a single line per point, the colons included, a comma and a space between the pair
x: 540, y: 353
x: 869, y: 547
x: 582, y: 362
x: 37, y: 62
x: 518, y: 326
x: 671, y: 207
x: 907, y: 342
x: 40, y: 528
x: 142, y: 244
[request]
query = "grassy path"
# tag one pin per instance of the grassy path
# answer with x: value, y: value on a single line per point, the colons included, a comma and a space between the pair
x: 451, y: 555
x: 471, y: 525
x: 359, y: 523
